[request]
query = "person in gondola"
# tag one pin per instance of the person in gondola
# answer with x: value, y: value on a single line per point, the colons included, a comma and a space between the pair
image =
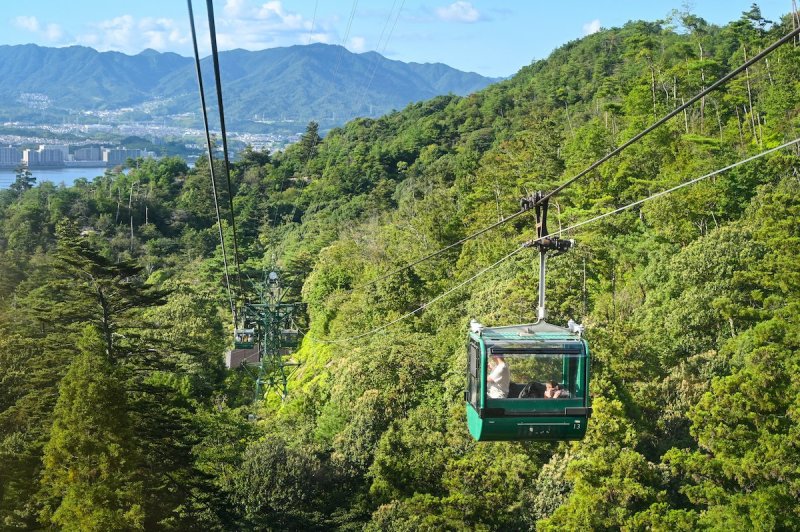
x: 498, y: 381
x: 554, y: 390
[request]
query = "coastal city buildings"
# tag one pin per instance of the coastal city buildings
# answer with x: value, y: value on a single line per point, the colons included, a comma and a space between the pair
x: 59, y: 155
x: 10, y: 156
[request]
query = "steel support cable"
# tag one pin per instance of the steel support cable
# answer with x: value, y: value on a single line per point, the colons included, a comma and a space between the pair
x: 559, y: 232
x: 425, y: 305
x: 383, y: 50
x: 313, y: 21
x: 673, y: 189
x: 378, y: 47
x: 723, y: 80
x: 215, y: 56
x: 336, y: 70
x: 436, y: 253
x: 210, y: 158
x: 344, y: 39
x: 597, y: 163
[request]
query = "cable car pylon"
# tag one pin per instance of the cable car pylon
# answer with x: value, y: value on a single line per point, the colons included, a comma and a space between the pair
x: 266, y: 338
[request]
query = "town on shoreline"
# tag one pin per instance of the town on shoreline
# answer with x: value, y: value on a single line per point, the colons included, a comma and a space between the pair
x: 66, y: 156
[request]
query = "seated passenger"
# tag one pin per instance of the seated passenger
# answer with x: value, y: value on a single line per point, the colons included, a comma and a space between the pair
x: 498, y: 380
x: 554, y: 391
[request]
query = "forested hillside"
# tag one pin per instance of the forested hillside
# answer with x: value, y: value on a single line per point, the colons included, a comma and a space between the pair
x: 116, y: 411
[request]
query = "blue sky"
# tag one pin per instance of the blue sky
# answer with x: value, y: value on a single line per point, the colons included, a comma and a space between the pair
x: 491, y: 37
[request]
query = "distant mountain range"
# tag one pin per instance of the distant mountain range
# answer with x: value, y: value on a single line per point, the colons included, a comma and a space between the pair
x: 319, y: 82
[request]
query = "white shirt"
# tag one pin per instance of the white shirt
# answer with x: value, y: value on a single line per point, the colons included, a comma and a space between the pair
x: 498, y: 381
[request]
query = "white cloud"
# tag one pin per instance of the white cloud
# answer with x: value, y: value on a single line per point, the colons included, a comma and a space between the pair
x: 50, y: 33
x: 130, y: 35
x: 162, y: 33
x: 274, y: 13
x: 27, y: 23
x: 357, y: 44
x: 235, y: 8
x: 53, y: 32
x: 325, y: 38
x: 459, y: 12
x: 113, y: 34
x: 591, y: 27
x: 247, y: 24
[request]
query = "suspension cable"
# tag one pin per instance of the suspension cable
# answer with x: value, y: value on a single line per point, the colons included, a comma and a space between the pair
x: 438, y: 252
x: 376, y: 62
x: 211, y: 160
x: 218, y: 80
x: 336, y: 70
x: 425, y: 305
x: 730, y: 75
x: 673, y: 189
x: 344, y: 40
x: 313, y: 21
x: 559, y: 232
x: 783, y: 40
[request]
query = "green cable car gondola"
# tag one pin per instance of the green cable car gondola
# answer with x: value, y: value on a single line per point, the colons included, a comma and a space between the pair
x: 545, y: 394
x: 244, y: 338
x: 537, y: 386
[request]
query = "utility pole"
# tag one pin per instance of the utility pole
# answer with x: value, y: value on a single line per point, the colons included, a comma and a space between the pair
x: 130, y: 208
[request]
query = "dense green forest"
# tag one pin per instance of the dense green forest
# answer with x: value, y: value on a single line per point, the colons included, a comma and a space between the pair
x: 117, y: 413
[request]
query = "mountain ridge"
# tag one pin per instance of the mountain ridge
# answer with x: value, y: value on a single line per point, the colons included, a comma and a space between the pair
x: 301, y: 82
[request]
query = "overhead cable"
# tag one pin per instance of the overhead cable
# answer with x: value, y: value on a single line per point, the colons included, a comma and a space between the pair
x: 559, y: 232
x: 438, y: 252
x: 336, y: 70
x: 426, y: 305
x: 677, y: 187
x: 218, y: 80
x: 313, y: 21
x: 376, y: 63
x: 211, y: 159
x: 783, y: 40
x: 730, y: 75
x: 344, y: 39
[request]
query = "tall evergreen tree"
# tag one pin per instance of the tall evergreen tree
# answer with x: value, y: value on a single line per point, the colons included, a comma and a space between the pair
x: 309, y: 142
x: 23, y: 179
x: 90, y: 463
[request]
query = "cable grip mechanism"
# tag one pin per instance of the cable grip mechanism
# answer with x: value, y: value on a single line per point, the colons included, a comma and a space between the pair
x: 539, y: 203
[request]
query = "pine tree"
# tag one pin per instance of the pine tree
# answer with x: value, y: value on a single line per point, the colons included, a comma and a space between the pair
x: 90, y: 464
x: 23, y: 180
x: 309, y: 141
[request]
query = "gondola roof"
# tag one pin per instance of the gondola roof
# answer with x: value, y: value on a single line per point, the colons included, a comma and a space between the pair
x: 528, y: 336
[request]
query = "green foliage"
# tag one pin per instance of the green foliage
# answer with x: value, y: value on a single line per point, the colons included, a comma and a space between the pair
x: 420, y: 512
x: 745, y: 470
x: 23, y: 180
x: 285, y: 487
x: 410, y: 458
x: 550, y: 489
x: 90, y: 463
x: 690, y: 302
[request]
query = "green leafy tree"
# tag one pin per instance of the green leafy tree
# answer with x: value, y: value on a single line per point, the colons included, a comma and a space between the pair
x: 744, y: 474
